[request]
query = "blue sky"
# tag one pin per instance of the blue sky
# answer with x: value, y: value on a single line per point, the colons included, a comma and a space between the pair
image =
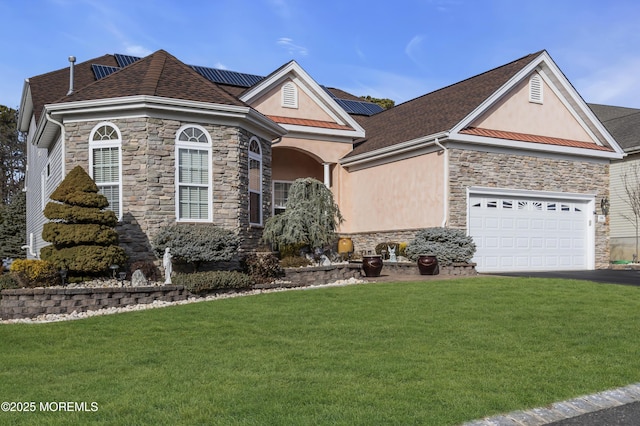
x: 395, y: 49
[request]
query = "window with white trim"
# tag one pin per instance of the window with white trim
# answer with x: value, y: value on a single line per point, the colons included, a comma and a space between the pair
x: 280, y: 196
x: 105, y: 164
x: 289, y: 95
x: 255, y: 182
x: 193, y: 175
x: 535, y: 89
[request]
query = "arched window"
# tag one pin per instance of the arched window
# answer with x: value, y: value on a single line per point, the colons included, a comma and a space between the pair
x: 193, y: 175
x: 289, y: 95
x: 535, y: 89
x: 105, y: 164
x: 255, y: 182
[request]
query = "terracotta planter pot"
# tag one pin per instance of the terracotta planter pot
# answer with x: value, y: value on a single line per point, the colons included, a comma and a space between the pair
x: 372, y: 265
x: 428, y: 264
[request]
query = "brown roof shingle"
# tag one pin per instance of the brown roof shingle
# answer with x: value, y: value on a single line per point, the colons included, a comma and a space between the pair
x: 52, y: 86
x: 159, y: 74
x: 437, y: 111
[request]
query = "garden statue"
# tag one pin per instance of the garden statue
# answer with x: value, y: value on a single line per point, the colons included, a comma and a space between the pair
x: 392, y: 254
x: 168, y: 267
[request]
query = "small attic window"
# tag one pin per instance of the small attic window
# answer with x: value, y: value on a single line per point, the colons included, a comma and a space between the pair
x: 535, y: 89
x: 289, y: 95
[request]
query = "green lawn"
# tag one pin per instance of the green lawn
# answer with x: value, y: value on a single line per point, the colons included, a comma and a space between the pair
x: 438, y: 352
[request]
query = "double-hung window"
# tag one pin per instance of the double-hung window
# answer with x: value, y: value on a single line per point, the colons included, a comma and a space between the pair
x: 193, y: 175
x: 105, y: 160
x: 255, y: 182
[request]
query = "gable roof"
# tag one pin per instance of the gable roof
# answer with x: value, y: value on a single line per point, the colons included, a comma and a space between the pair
x: 159, y: 74
x: 435, y: 112
x: 623, y: 124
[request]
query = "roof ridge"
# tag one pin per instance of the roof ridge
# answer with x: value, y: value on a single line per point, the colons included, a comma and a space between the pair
x: 154, y: 72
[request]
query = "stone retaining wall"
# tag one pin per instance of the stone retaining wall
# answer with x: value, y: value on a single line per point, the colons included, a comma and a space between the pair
x: 32, y: 302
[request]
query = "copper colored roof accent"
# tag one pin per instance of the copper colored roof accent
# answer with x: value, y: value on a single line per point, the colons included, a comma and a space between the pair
x: 438, y: 111
x: 308, y: 123
x: 523, y: 137
x: 159, y: 74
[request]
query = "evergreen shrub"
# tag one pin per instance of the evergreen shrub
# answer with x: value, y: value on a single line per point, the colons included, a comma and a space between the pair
x: 203, y: 282
x: 196, y: 243
x: 263, y: 267
x: 148, y: 268
x: 294, y: 262
x: 448, y: 245
x: 32, y: 273
x: 80, y: 231
x: 8, y: 281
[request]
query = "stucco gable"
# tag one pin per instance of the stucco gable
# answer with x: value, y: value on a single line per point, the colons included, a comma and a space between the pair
x: 550, y: 117
x: 314, y: 111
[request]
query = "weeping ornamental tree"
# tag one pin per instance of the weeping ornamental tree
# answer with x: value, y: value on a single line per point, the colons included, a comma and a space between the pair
x: 311, y: 217
x: 80, y: 230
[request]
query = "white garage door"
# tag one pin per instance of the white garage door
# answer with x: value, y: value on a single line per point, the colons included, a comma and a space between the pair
x: 529, y: 234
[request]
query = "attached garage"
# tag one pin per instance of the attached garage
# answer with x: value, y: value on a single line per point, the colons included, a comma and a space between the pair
x: 531, y: 231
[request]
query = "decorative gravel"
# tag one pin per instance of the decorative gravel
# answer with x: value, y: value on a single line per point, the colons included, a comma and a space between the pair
x: 159, y: 304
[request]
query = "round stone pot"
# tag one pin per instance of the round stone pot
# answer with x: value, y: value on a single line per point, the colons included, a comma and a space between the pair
x: 428, y: 264
x: 372, y: 265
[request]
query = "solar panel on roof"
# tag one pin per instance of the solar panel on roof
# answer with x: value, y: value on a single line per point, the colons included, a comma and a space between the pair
x: 359, y: 107
x: 101, y: 71
x: 329, y: 92
x: 232, y: 78
x: 124, y: 60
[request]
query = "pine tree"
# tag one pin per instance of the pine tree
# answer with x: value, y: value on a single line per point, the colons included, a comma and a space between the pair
x: 13, y: 225
x: 311, y: 216
x: 80, y: 231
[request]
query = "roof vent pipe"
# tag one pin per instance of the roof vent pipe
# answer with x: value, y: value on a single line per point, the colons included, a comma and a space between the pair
x: 72, y: 60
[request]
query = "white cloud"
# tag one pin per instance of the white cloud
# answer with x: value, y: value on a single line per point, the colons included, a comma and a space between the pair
x: 617, y: 84
x: 292, y: 48
x: 135, y: 50
x: 414, y: 48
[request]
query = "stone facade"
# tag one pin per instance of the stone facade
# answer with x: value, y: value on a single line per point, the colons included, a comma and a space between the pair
x: 148, y: 178
x: 493, y: 170
x: 474, y: 168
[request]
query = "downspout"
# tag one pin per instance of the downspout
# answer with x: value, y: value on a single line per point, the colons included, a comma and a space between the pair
x: 62, y: 139
x: 30, y: 246
x: 445, y: 199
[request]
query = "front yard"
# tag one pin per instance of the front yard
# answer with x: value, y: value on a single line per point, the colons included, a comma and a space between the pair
x: 439, y: 353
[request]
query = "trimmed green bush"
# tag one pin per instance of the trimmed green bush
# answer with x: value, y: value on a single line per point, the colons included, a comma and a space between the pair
x: 8, y: 281
x: 294, y: 262
x: 448, y: 245
x: 148, y: 268
x: 34, y: 273
x: 203, y: 282
x: 197, y: 243
x: 263, y: 267
x: 80, y: 231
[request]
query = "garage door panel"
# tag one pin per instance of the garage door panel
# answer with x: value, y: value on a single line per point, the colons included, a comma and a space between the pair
x: 513, y: 233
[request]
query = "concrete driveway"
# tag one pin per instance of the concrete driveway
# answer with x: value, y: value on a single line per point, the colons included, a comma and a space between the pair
x: 610, y: 276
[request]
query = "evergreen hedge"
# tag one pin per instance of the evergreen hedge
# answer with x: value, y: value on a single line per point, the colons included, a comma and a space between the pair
x: 448, y: 245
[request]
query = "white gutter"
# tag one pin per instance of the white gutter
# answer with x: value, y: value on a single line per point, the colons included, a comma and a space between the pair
x: 62, y: 139
x: 392, y: 150
x: 445, y: 199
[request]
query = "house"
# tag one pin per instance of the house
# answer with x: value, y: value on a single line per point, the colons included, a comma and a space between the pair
x: 514, y: 155
x: 624, y: 124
